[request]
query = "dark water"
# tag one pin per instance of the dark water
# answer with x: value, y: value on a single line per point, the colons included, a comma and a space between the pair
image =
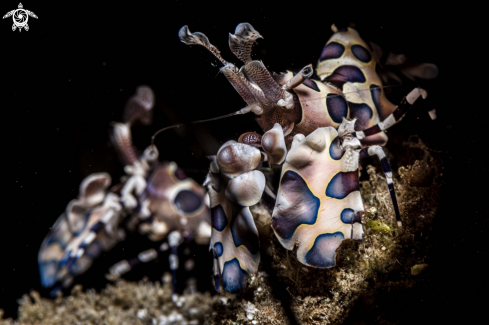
x: 70, y: 75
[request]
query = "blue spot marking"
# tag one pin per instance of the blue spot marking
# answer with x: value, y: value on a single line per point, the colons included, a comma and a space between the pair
x: 187, y: 201
x: 335, y: 150
x: 303, y: 209
x: 346, y: 73
x: 361, y: 53
x: 233, y: 276
x: 349, y: 216
x: 218, y: 249
x: 71, y: 261
x: 218, y: 218
x: 216, y: 281
x: 48, y: 278
x: 362, y: 112
x: 375, y: 92
x: 337, y: 107
x: 332, y: 50
x: 310, y: 84
x: 343, y: 184
x: 65, y: 259
x: 323, y: 251
x: 242, y: 229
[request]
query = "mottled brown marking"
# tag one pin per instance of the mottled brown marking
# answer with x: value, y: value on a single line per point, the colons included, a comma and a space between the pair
x: 139, y: 107
x: 256, y: 71
x: 242, y: 42
x: 251, y: 138
x: 284, y: 117
x: 241, y: 85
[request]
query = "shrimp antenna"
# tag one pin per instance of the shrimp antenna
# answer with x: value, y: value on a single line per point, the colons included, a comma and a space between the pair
x: 240, y: 112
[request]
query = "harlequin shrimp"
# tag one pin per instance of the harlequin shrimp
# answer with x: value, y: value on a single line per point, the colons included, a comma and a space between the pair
x: 156, y: 197
x: 317, y: 130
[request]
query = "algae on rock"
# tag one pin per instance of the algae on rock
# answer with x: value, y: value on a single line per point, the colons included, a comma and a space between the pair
x: 382, y: 262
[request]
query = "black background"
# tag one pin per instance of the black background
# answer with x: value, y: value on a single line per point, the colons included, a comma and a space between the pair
x: 64, y: 80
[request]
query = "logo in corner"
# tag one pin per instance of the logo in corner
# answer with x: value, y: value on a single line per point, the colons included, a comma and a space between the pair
x: 20, y: 17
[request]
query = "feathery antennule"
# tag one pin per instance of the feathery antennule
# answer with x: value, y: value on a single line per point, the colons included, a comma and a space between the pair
x: 121, y: 137
x: 198, y: 38
x: 240, y: 84
x: 256, y: 72
x: 242, y: 41
x: 253, y: 81
x: 140, y: 106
